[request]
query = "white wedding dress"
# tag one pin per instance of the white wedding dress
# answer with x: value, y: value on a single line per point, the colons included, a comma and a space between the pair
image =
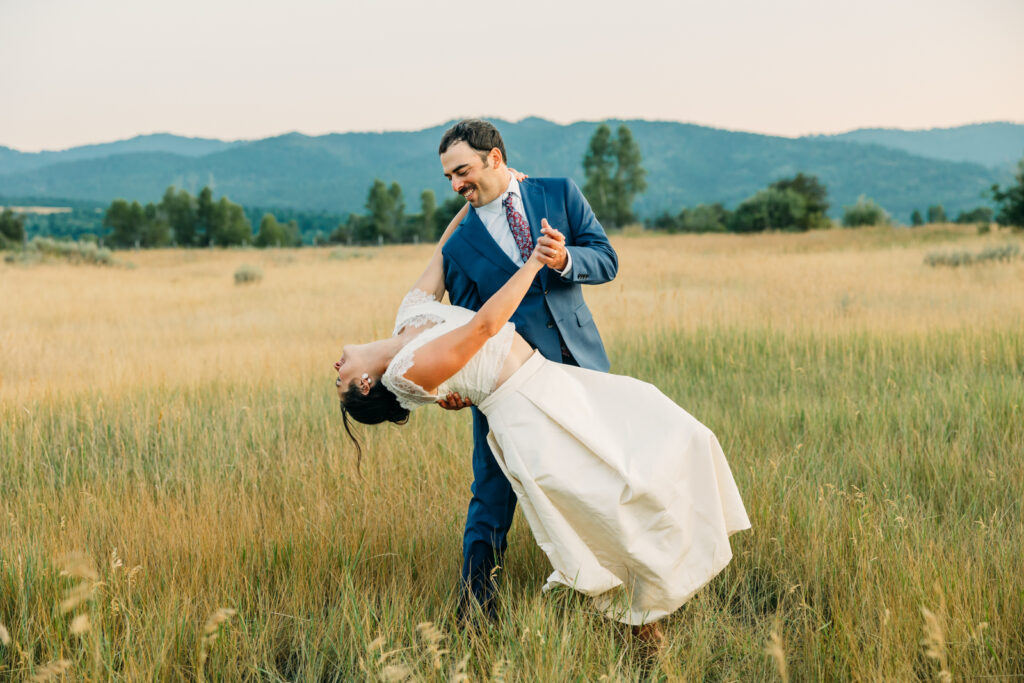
x: 628, y: 494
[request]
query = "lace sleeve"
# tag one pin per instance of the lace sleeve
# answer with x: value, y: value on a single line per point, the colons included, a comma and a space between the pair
x: 411, y: 313
x: 409, y: 394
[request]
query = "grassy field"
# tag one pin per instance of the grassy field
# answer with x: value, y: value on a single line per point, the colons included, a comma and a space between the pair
x: 178, y: 501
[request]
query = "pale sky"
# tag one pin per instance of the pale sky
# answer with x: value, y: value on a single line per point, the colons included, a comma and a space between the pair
x: 74, y: 72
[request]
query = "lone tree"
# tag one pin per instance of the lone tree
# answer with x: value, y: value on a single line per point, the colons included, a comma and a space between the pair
x: 614, y: 175
x: 1010, y: 202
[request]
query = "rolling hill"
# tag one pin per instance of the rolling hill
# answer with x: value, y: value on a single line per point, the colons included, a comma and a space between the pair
x: 687, y: 164
x: 997, y: 145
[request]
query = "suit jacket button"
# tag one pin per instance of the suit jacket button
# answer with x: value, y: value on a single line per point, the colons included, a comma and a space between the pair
x: 545, y: 292
x: 550, y: 325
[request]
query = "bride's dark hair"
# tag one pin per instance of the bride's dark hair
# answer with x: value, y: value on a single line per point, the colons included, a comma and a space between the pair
x: 376, y: 406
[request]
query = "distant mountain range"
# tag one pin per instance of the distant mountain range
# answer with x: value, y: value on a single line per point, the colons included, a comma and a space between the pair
x: 686, y: 164
x: 996, y: 145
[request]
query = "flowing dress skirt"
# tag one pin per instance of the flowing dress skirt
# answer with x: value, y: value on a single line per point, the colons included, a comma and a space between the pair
x: 628, y: 494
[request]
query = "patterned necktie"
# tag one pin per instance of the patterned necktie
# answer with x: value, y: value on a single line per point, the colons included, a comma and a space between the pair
x: 520, y: 229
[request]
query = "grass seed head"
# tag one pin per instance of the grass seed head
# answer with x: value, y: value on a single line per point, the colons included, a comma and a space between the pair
x: 5, y: 637
x: 79, y: 566
x: 80, y: 625
x: 396, y: 672
x: 219, y: 616
x: 76, y: 595
x: 459, y: 674
x: 776, y: 649
x: 132, y: 573
x: 497, y: 671
x: 50, y: 670
x: 433, y: 635
x: 934, y: 643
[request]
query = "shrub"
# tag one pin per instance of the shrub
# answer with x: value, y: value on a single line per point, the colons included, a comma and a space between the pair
x: 248, y: 274
x: 667, y: 222
x: 344, y: 254
x: 44, y: 248
x: 704, y: 218
x: 12, y: 228
x: 701, y: 218
x: 864, y: 212
x: 982, y: 214
x: 955, y: 259
x: 815, y: 200
x: 770, y: 209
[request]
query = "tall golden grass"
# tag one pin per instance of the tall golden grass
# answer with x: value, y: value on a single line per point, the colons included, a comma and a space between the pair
x: 178, y: 500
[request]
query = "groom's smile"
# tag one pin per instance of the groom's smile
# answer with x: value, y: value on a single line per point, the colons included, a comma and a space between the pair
x: 479, y: 178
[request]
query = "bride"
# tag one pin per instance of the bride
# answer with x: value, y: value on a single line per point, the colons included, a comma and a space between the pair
x: 628, y: 495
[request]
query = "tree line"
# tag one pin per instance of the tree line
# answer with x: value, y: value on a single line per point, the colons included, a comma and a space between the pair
x: 614, y: 176
x: 800, y: 203
x: 386, y: 220
x: 183, y: 220
x: 179, y: 219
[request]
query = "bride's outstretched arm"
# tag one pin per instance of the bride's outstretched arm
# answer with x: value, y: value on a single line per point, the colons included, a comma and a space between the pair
x: 439, y: 359
x: 432, y: 279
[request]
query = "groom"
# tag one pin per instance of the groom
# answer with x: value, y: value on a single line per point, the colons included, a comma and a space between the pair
x: 503, y: 226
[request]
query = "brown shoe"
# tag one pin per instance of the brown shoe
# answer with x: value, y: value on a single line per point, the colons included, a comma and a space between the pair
x: 651, y: 636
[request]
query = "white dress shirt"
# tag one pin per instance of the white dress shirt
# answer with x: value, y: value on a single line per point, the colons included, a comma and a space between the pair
x: 492, y: 214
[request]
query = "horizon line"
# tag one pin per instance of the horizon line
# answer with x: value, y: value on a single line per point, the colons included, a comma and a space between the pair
x: 504, y: 120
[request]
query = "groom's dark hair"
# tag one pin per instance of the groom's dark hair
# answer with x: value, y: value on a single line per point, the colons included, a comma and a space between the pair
x: 481, y: 135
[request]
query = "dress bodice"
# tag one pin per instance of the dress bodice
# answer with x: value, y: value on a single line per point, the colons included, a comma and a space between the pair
x: 475, y: 381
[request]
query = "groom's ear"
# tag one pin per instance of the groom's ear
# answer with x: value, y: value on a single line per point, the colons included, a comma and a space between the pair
x: 494, y: 158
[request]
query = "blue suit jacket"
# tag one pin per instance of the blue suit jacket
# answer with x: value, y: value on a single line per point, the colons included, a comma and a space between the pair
x: 475, y: 267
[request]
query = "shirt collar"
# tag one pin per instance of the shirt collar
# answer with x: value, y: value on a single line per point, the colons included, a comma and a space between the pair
x: 495, y: 204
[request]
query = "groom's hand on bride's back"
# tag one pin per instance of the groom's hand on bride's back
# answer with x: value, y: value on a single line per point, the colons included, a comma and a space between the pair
x: 454, y: 402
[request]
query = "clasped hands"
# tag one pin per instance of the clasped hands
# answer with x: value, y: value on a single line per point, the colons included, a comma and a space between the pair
x: 550, y: 251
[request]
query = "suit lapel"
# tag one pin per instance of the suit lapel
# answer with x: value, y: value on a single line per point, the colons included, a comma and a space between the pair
x: 535, y: 204
x: 475, y: 235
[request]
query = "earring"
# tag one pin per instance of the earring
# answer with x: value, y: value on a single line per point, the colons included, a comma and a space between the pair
x: 366, y: 375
